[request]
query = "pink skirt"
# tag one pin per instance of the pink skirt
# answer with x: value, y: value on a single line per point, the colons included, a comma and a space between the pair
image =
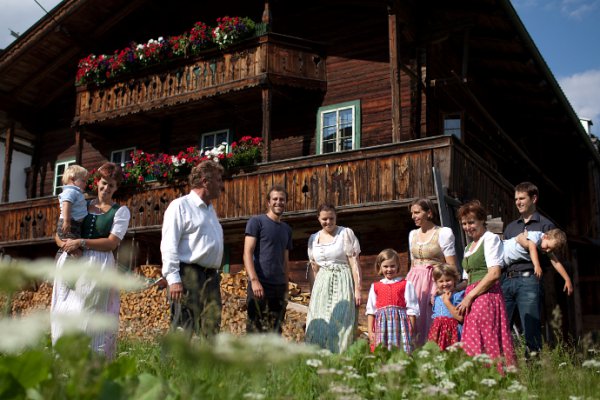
x: 421, y: 278
x: 486, y: 328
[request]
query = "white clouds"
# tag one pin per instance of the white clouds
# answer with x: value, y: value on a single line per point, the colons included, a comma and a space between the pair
x: 578, y: 9
x: 583, y: 91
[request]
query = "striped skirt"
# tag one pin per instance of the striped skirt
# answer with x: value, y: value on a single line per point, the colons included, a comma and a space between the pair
x: 444, y: 332
x: 392, y: 329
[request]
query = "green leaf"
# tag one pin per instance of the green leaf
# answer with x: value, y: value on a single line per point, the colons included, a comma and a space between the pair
x: 149, y: 388
x: 30, y: 368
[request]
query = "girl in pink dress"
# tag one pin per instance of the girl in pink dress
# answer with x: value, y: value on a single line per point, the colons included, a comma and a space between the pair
x: 429, y: 245
x: 486, y: 328
x: 392, y: 308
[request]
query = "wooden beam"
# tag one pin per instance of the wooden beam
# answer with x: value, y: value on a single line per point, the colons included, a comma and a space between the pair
x: 267, y: 100
x: 8, y: 150
x: 78, y: 144
x: 394, y: 29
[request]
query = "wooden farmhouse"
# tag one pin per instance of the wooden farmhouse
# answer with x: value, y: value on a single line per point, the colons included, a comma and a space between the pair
x: 367, y: 104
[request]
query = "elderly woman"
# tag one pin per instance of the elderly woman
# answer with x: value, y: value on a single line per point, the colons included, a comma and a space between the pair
x: 333, y: 253
x: 101, y: 233
x: 430, y: 245
x: 485, y: 327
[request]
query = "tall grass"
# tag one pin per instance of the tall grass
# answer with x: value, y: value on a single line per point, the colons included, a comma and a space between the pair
x: 268, y: 367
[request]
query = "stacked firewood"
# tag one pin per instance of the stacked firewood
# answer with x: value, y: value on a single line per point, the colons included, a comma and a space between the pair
x: 145, y: 313
x: 233, y: 293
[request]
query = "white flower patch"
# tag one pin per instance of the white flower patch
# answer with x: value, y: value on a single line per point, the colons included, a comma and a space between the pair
x: 488, y: 382
x: 516, y: 387
x: 391, y: 368
x: 313, y: 362
x: 324, y: 353
x: 372, y: 375
x: 454, y: 347
x: 339, y: 388
x: 464, y: 367
x: 591, y: 364
x: 379, y: 387
x: 353, y: 375
x: 482, y: 358
x: 422, y: 354
x: 439, y: 358
x: 447, y: 384
x: 254, y: 396
x: 562, y: 365
x: 471, y: 394
x: 511, y: 369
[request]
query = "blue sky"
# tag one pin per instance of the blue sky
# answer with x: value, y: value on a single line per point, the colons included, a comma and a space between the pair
x: 566, y: 32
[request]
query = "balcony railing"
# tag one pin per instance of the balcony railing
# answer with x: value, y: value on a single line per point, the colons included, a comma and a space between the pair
x: 269, y: 58
x: 368, y: 179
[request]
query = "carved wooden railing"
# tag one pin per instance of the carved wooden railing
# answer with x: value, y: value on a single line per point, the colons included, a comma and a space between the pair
x: 371, y: 178
x: 269, y: 58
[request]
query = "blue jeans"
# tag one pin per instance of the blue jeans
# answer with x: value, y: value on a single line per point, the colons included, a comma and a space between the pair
x: 525, y: 293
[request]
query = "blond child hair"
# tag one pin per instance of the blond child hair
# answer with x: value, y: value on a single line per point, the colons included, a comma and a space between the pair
x: 445, y: 270
x: 559, y: 236
x: 74, y: 172
x: 384, y: 255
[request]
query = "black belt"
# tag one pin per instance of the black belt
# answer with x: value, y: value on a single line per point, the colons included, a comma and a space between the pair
x: 519, y: 274
x: 200, y: 267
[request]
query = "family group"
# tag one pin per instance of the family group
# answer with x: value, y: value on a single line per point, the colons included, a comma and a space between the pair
x: 433, y: 302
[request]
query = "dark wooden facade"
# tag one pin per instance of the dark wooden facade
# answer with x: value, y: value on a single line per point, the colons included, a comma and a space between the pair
x: 407, y: 64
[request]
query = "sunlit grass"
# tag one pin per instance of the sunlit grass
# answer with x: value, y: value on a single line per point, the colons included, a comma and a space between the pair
x: 268, y: 367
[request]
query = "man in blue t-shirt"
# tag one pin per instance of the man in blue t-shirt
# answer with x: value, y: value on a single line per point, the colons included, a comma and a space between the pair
x: 522, y: 289
x: 267, y: 245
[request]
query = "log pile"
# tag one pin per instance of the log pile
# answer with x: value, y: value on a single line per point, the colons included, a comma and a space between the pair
x: 145, y: 314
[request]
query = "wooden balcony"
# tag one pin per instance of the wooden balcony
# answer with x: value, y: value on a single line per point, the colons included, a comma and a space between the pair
x: 269, y: 58
x: 387, y: 176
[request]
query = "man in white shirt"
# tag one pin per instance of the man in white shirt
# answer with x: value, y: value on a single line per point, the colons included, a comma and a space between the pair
x: 192, y: 250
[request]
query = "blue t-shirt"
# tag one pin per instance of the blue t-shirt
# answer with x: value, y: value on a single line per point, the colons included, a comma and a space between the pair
x: 272, y: 239
x: 440, y: 309
x: 73, y: 195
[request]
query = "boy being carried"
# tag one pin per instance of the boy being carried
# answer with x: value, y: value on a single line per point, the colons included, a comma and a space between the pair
x: 524, y: 247
x: 73, y: 207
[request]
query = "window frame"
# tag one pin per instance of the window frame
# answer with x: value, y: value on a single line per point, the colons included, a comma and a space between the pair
x: 356, y: 125
x: 57, y: 182
x: 123, y: 153
x: 215, y: 133
x: 454, y: 116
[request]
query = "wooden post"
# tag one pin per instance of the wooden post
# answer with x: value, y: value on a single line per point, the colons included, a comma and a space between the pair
x: 8, y: 150
x: 267, y: 97
x: 78, y: 145
x: 394, y: 49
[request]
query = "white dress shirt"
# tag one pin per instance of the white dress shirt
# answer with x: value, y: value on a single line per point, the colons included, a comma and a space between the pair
x: 191, y: 233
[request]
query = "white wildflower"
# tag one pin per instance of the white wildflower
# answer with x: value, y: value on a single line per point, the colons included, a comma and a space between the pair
x: 313, y: 362
x: 266, y: 347
x: 464, y: 367
x: 427, y: 367
x: 482, y: 358
x: 254, y: 396
x: 353, y: 375
x: 379, y: 387
x: 591, y: 364
x: 454, y: 347
x: 432, y: 390
x: 511, y: 369
x: 391, y: 368
x: 516, y: 387
x: 324, y: 353
x: 488, y: 382
x: 338, y: 388
x: 439, y: 373
x: 471, y: 394
x: 372, y: 375
x: 422, y: 354
x: 447, y: 384
x: 440, y: 358
x: 575, y: 397
x: 562, y: 364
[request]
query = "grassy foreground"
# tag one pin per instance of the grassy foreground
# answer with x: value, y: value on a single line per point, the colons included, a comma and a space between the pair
x: 268, y: 367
